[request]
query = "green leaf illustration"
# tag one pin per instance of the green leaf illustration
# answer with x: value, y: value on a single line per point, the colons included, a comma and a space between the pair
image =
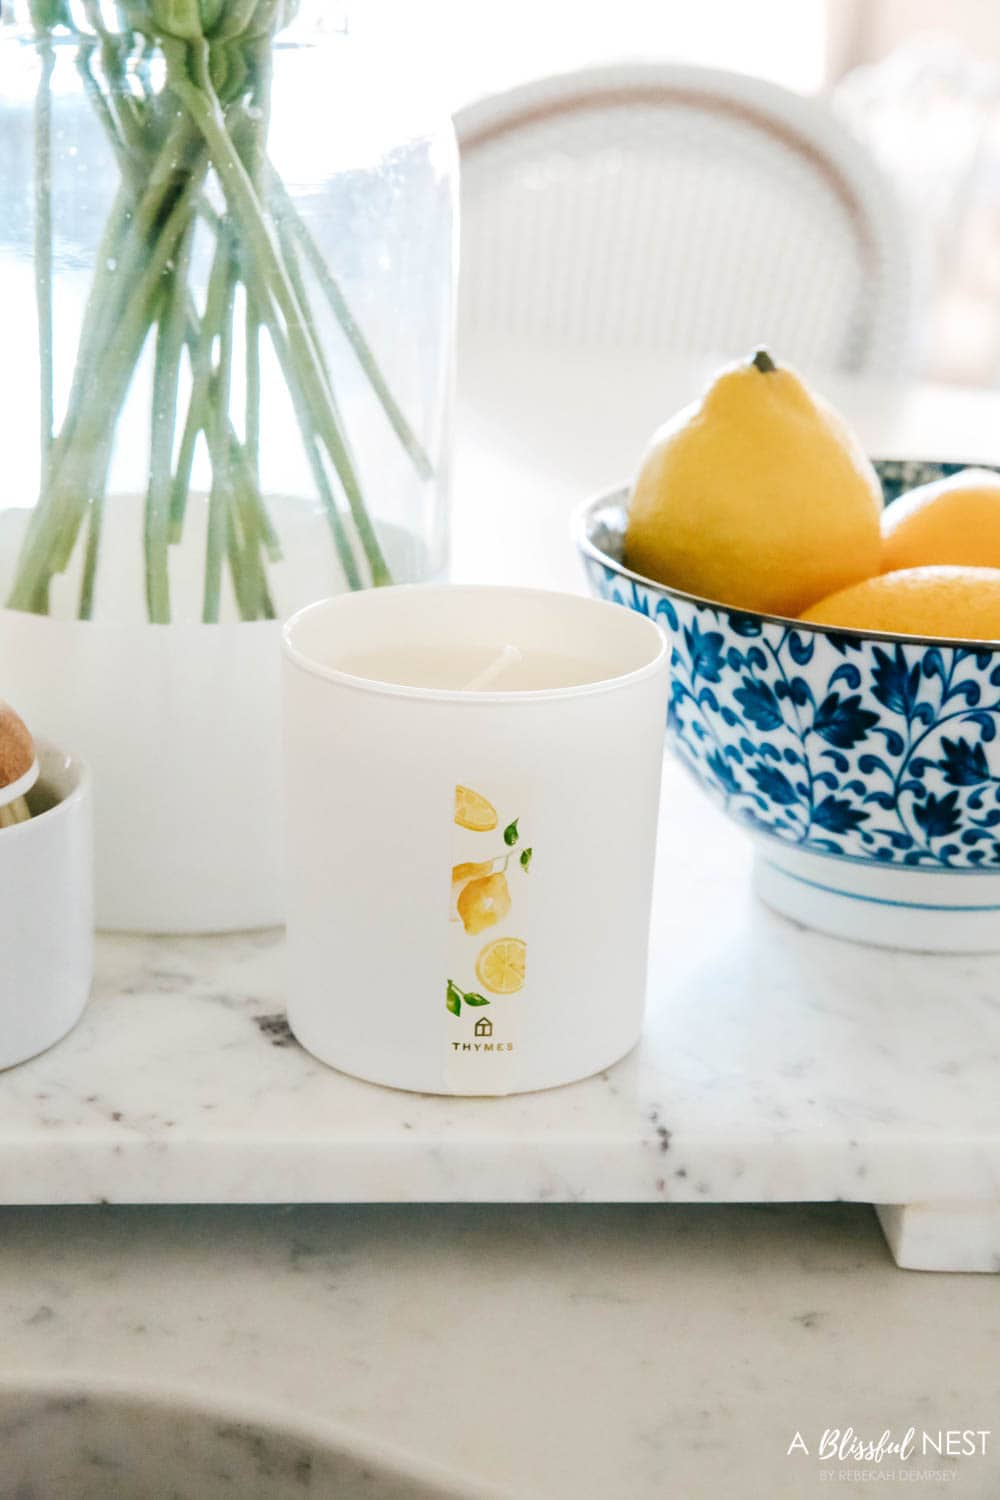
x: 510, y: 834
x: 453, y: 999
x: 526, y: 859
x: 473, y: 999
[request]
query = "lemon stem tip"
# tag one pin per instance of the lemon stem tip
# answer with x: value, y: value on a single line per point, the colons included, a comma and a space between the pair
x: 763, y: 362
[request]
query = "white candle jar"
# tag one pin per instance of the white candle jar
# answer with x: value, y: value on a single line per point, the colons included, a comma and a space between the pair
x: 46, y: 911
x: 470, y: 871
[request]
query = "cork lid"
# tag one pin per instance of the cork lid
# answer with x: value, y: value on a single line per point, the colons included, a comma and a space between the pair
x: 18, y: 766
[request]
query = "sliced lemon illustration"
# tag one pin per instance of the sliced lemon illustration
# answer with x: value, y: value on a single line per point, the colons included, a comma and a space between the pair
x: 473, y: 811
x: 500, y: 966
x: 483, y: 903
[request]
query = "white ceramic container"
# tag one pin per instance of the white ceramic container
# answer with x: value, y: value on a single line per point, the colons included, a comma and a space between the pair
x: 469, y: 872
x: 46, y: 911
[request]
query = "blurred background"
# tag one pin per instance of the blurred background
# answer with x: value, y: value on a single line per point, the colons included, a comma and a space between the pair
x: 916, y: 82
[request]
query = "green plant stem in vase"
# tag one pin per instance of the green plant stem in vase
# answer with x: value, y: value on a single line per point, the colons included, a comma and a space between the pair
x: 181, y: 89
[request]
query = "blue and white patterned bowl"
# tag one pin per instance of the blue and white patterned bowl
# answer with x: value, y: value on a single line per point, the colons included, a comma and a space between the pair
x: 865, y: 765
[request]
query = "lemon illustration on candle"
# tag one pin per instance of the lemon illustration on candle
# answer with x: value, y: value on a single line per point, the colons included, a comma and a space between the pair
x: 501, y: 964
x: 481, y: 898
x: 465, y: 873
x: 470, y: 869
x: 484, y: 902
x: 480, y: 895
x: 462, y: 873
x: 473, y: 811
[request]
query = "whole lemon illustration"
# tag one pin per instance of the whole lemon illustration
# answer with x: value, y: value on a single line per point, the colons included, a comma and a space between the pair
x: 461, y: 874
x: 963, y: 603
x: 500, y: 966
x: 473, y: 811
x: 469, y: 870
x: 758, y: 496
x: 483, y: 902
x: 954, y: 520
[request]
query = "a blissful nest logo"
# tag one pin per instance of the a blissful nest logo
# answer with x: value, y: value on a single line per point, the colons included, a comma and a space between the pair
x: 910, y: 1457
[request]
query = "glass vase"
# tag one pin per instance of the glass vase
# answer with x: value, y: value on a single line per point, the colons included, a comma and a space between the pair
x: 226, y: 284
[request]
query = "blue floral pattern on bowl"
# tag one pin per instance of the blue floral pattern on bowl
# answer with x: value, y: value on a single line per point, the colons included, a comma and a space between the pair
x: 867, y: 747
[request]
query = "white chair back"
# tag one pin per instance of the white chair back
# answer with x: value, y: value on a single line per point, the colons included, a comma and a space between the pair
x: 684, y: 209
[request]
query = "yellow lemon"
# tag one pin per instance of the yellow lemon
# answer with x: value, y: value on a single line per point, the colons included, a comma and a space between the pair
x: 758, y: 496
x: 484, y: 902
x: 954, y: 520
x: 473, y: 811
x: 500, y: 966
x: 963, y: 603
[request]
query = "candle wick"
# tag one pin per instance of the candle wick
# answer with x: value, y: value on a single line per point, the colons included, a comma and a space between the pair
x: 509, y: 657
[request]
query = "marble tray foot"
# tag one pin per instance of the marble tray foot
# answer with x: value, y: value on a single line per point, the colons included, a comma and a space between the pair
x: 942, y: 1236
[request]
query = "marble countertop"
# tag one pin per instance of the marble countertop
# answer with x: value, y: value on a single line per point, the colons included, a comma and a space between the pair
x: 564, y: 1353
x: 775, y: 1064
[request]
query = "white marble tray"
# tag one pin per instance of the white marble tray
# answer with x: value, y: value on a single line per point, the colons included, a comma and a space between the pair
x: 776, y: 1065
